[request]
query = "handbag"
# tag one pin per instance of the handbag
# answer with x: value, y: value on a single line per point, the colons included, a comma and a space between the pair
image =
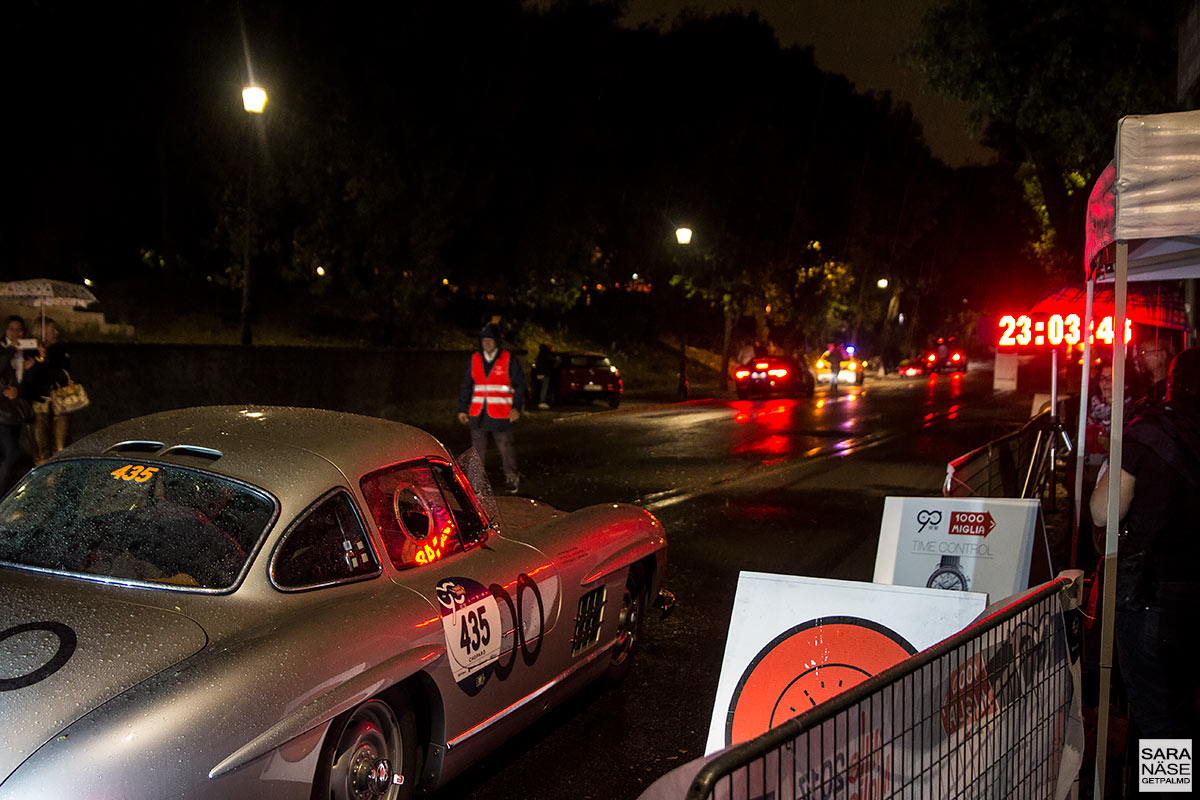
x: 69, y: 398
x: 15, y: 412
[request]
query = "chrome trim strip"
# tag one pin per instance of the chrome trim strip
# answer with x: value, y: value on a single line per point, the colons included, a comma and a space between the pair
x: 524, y: 701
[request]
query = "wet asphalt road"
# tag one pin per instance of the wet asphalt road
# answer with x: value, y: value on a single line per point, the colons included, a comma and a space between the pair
x: 786, y: 486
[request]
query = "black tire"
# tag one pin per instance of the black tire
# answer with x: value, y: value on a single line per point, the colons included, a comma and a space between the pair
x: 629, y: 626
x: 614, y: 400
x: 358, y: 741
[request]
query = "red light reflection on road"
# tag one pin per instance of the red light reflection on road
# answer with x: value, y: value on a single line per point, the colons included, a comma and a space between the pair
x: 766, y: 428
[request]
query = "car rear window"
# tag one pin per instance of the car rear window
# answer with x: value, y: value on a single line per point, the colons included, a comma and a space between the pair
x: 594, y: 362
x: 134, y: 521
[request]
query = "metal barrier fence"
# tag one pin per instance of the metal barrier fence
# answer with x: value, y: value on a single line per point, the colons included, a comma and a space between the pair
x: 1015, y: 465
x: 991, y: 712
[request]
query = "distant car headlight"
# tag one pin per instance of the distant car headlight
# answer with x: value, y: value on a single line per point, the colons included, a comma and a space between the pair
x: 821, y: 364
x: 852, y: 366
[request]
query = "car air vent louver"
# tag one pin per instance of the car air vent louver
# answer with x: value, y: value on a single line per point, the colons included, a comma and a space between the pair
x: 588, y: 621
x: 206, y: 453
x: 136, y: 447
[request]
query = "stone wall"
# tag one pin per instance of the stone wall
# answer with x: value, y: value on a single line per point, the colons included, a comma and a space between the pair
x: 128, y: 380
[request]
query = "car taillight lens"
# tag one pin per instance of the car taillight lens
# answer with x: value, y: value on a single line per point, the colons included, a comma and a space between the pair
x: 742, y: 373
x: 931, y: 357
x: 779, y: 372
x: 761, y: 365
x: 956, y: 357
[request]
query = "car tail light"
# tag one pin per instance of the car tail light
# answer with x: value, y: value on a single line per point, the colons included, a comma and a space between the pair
x: 778, y: 372
x: 956, y: 357
x: 742, y: 373
x: 932, y: 357
x: 761, y: 365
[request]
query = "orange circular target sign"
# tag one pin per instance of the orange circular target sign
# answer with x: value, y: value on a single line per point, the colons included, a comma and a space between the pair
x: 806, y: 665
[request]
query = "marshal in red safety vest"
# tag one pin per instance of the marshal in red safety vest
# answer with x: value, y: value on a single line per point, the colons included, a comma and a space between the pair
x: 493, y: 390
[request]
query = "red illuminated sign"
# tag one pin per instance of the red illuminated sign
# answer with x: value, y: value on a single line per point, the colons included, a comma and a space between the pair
x: 1055, y: 330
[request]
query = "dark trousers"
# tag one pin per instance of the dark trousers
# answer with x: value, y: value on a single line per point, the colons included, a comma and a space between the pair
x: 1155, y: 646
x: 10, y: 453
x: 504, y: 443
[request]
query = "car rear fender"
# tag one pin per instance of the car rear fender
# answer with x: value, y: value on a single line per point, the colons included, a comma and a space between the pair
x: 340, y: 697
x: 649, y: 550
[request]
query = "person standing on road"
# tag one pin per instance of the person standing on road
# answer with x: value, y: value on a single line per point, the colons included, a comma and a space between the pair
x: 50, y: 371
x: 490, y: 401
x: 543, y: 373
x: 1158, y: 591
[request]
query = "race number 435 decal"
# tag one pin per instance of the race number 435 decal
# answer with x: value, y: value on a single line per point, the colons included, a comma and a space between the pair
x: 471, y: 620
x: 490, y: 630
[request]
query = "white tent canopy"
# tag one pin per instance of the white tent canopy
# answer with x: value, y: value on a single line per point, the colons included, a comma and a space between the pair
x: 1143, y: 224
x: 1149, y: 197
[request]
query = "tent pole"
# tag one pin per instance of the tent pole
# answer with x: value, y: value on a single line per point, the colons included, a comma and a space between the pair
x: 1081, y: 431
x: 1116, y: 446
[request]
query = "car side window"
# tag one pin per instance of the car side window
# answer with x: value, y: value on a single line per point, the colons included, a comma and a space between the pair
x: 328, y: 545
x: 467, y: 515
x: 415, y: 522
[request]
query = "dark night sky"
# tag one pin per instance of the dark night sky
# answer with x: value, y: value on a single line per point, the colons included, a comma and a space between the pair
x: 860, y: 39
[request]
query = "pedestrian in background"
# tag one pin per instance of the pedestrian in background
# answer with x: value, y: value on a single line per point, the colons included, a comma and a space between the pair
x: 490, y: 401
x: 14, y: 409
x: 1158, y: 590
x: 51, y: 370
x: 543, y: 373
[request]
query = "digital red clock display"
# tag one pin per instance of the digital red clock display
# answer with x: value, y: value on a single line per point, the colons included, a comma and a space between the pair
x: 1055, y: 330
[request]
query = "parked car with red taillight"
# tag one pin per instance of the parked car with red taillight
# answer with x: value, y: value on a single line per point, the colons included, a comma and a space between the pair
x: 584, y: 376
x: 946, y: 356
x: 768, y: 375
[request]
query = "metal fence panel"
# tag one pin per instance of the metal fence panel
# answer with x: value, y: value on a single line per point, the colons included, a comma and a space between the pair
x: 991, y: 712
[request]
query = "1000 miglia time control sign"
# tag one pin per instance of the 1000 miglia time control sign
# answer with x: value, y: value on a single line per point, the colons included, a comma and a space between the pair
x: 1054, y: 331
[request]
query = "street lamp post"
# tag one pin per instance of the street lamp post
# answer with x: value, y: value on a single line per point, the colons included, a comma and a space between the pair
x: 683, y: 236
x: 254, y: 101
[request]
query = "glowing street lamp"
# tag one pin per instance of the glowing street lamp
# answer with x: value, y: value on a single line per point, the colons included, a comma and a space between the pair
x: 254, y: 99
x: 683, y: 235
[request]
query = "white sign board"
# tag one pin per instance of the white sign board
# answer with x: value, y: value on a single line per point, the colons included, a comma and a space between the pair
x: 794, y: 642
x: 1004, y: 377
x: 977, y: 544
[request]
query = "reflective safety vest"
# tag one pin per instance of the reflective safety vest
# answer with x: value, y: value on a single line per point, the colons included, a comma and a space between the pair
x: 493, y: 391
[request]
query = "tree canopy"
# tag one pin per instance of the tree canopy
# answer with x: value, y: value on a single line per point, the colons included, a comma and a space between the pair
x: 435, y: 160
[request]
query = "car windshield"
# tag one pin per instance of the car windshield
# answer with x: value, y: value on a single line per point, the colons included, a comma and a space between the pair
x: 133, y: 522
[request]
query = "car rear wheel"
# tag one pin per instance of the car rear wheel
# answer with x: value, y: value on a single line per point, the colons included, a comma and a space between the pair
x: 629, y: 625
x: 614, y: 400
x: 369, y: 750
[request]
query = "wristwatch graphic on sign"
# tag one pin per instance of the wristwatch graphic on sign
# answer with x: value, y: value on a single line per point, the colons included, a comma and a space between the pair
x: 948, y: 575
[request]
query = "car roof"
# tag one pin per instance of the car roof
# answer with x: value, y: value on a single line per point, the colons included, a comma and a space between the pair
x: 274, y: 447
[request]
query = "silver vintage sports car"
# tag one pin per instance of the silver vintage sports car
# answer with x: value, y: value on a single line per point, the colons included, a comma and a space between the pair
x: 261, y: 602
